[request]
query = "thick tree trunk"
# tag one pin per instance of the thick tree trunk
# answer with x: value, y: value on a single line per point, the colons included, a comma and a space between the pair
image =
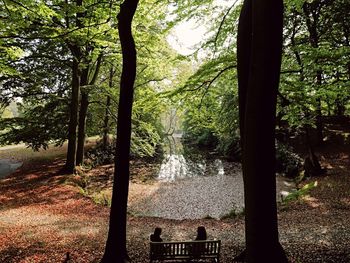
x: 116, y: 251
x: 259, y: 59
x: 73, y: 120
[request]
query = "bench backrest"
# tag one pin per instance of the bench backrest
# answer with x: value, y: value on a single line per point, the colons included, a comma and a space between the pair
x: 185, y: 249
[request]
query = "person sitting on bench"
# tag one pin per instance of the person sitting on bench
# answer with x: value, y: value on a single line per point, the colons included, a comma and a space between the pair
x: 155, y: 237
x: 198, y: 249
x: 201, y: 233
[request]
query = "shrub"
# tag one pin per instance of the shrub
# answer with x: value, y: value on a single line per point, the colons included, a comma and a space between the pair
x: 233, y: 214
x: 299, y: 193
x: 100, y: 155
x: 287, y: 162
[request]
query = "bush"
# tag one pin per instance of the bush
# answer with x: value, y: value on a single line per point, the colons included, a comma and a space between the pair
x: 233, y: 214
x: 287, y: 162
x: 299, y: 193
x: 231, y: 148
x: 100, y: 155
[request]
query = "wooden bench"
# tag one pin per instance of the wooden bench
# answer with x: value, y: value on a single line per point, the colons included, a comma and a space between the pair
x: 187, y: 251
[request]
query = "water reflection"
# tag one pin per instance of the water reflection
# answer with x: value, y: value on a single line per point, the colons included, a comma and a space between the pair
x: 180, y: 163
x: 220, y: 167
x: 175, y: 166
x: 8, y: 166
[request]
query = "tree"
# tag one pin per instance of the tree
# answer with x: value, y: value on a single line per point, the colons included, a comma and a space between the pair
x: 116, y: 251
x: 84, y: 104
x: 68, y: 38
x: 259, y: 50
x: 82, y: 49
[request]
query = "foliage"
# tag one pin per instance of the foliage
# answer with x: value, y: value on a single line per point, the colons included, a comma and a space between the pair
x: 234, y: 213
x: 38, y: 69
x: 102, y: 198
x: 209, y: 100
x: 314, y: 81
x: 209, y: 96
x: 147, y: 130
x: 32, y: 120
x: 315, y: 74
x: 44, y: 31
x: 100, y: 155
x: 288, y: 162
x: 299, y: 193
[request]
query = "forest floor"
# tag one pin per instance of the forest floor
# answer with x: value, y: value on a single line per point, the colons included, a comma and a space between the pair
x: 44, y: 215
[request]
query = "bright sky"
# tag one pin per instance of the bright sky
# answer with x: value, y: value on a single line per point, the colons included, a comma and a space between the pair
x: 185, y: 36
x: 188, y: 34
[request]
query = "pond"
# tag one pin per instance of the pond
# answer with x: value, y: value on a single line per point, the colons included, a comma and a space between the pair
x: 192, y: 186
x: 8, y: 166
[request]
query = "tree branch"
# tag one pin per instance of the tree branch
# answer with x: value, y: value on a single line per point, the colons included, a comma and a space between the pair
x: 210, y: 82
x: 223, y: 21
x: 149, y: 81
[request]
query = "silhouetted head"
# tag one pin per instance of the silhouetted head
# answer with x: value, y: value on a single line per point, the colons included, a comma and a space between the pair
x: 201, y: 233
x: 155, y: 237
x: 157, y: 231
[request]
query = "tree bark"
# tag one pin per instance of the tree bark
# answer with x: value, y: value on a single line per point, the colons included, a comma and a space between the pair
x: 259, y: 50
x: 115, y: 250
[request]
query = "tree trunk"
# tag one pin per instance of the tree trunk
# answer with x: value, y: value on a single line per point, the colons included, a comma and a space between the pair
x: 84, y: 105
x: 312, y: 166
x: 115, y: 250
x: 339, y: 106
x: 311, y: 12
x: 319, y: 122
x: 74, y: 104
x: 259, y: 50
x: 105, y: 140
x: 73, y: 120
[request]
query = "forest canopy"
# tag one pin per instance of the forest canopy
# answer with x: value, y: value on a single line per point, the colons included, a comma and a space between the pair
x: 61, y: 59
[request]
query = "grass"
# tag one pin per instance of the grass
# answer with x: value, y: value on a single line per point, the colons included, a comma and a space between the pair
x: 234, y: 213
x: 103, y: 198
x: 22, y: 153
x: 86, y: 188
x: 299, y: 193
